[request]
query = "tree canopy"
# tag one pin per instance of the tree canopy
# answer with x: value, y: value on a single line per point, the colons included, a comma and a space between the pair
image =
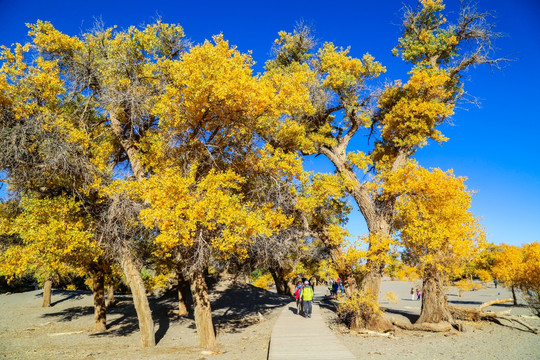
x: 135, y: 148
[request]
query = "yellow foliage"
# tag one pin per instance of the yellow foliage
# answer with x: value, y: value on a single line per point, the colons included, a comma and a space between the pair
x: 281, y: 164
x: 57, y: 239
x: 373, y: 248
x: 187, y: 211
x: 326, y: 270
x: 530, y: 272
x: 519, y: 267
x: 408, y: 273
x: 484, y: 275
x: 508, y: 263
x: 341, y: 71
x: 264, y: 281
x: 360, y: 160
x: 391, y: 297
x: 47, y: 37
x: 158, y: 281
x: 466, y: 285
x: 433, y: 219
x: 428, y: 38
x: 412, y: 111
x: 323, y: 190
x: 358, y: 305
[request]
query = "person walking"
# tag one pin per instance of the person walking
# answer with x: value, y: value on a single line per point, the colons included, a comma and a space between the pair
x: 307, y: 298
x: 297, y: 296
x: 335, y: 286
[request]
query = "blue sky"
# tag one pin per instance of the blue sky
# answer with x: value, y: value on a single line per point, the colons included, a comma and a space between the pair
x: 495, y: 145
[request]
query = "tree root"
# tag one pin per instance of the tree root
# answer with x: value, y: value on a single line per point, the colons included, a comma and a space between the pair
x: 432, y: 327
x: 521, y: 322
x: 374, y: 333
x: 478, y: 314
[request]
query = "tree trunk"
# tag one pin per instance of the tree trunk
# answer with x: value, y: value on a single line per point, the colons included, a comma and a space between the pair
x: 291, y: 287
x: 142, y: 307
x: 281, y: 283
x: 369, y: 318
x: 378, y: 215
x: 514, y: 295
x: 111, y: 301
x: 203, y: 311
x: 131, y: 150
x: 133, y: 275
x: 372, y: 280
x: 100, y: 309
x: 370, y: 286
x: 47, y: 289
x: 366, y: 317
x: 182, y: 294
x: 345, y: 272
x: 434, y: 302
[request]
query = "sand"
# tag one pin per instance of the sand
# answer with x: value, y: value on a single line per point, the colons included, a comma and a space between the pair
x: 244, y: 317
x: 482, y: 340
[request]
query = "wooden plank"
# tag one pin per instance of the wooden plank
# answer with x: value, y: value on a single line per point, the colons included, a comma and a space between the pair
x: 299, y: 338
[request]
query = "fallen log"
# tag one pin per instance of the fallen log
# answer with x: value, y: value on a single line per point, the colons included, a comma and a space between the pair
x: 494, y: 302
x: 478, y: 314
x: 521, y: 322
x: 475, y: 314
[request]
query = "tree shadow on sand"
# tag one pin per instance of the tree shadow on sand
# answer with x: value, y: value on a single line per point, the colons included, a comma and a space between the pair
x: 241, y: 305
x: 478, y: 303
x: 64, y: 295
x: 71, y: 313
x: 236, y: 307
x: 412, y: 317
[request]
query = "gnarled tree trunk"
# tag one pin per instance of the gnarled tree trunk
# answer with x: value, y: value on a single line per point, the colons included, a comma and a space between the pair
x: 281, y: 284
x: 434, y: 302
x: 47, y: 289
x: 203, y: 311
x: 372, y: 280
x: 369, y: 287
x: 182, y: 294
x: 345, y: 272
x: 133, y: 275
x: 291, y: 287
x: 100, y: 309
x: 138, y: 291
x: 111, y: 301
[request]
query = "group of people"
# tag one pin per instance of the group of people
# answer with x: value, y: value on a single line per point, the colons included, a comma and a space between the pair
x: 335, y: 286
x: 304, y: 298
x: 418, y: 294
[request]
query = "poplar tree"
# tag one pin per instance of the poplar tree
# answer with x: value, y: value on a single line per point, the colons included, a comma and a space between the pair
x: 397, y: 120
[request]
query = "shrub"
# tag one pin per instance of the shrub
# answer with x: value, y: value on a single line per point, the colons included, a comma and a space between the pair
x: 357, y: 309
x: 264, y: 281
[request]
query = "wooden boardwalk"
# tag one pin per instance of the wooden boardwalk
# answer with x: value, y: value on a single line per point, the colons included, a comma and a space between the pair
x: 297, y: 338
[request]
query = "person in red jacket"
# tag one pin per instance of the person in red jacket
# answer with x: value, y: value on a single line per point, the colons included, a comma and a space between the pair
x: 299, y: 303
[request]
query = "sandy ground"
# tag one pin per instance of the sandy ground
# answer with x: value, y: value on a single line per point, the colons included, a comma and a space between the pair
x: 28, y: 331
x: 480, y: 340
